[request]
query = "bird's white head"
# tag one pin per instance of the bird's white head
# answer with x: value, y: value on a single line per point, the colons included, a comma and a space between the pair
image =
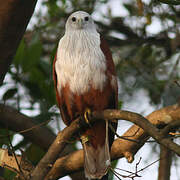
x: 80, y: 20
x: 80, y: 60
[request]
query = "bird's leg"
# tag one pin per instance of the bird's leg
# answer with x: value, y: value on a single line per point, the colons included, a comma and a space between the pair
x: 84, y: 139
x: 87, y: 114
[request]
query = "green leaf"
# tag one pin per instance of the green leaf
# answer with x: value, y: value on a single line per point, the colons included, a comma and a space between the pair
x: 8, y: 175
x: 113, y: 165
x: 63, y: 1
x: 53, y: 8
x: 120, y: 103
x: 36, y: 75
x: 9, y: 94
x: 33, y: 54
x: 20, y: 53
x: 103, y: 1
x: 34, y: 153
x: 4, y: 137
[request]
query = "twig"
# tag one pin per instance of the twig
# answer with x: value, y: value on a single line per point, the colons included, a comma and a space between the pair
x: 27, y: 130
x: 133, y: 134
x: 138, y: 163
x: 148, y: 165
x: 114, y: 172
x: 121, y: 137
x: 13, y: 152
x: 126, y: 137
x: 132, y: 175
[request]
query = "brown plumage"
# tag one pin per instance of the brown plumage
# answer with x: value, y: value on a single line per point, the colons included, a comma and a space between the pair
x: 99, y: 137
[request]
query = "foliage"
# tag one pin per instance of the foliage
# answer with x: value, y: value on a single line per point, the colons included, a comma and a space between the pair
x: 147, y: 57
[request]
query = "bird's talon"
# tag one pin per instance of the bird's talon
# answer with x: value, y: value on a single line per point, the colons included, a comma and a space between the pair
x: 87, y: 114
x: 84, y: 139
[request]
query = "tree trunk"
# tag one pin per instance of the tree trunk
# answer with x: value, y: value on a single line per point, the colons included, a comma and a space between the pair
x: 14, y: 18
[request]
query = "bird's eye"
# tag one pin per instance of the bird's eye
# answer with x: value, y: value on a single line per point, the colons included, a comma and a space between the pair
x: 86, y: 18
x: 73, y: 19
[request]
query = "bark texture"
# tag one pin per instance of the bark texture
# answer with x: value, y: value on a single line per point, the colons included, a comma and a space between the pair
x: 14, y: 18
x: 13, y: 120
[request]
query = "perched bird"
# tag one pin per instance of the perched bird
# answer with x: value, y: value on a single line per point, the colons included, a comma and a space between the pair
x: 85, y: 80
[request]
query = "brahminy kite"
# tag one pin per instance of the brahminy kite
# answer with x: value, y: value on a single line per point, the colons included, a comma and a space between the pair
x: 85, y: 79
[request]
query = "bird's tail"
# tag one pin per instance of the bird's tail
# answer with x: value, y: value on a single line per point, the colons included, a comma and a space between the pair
x: 96, y: 151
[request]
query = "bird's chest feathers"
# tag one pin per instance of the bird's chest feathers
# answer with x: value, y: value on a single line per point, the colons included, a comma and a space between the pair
x: 80, y: 63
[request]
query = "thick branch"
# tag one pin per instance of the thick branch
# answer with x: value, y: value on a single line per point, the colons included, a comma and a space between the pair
x: 11, y: 119
x: 55, y: 149
x: 14, y: 17
x: 74, y: 162
x: 121, y: 147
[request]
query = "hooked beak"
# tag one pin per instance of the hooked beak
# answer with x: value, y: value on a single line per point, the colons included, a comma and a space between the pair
x: 80, y: 23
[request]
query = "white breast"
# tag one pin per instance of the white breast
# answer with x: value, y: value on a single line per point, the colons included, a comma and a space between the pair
x: 80, y: 62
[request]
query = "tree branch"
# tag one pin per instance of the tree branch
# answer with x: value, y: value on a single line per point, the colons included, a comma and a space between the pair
x: 56, y: 148
x: 9, y: 161
x: 14, y: 17
x: 121, y: 147
x: 131, y: 36
x: 11, y: 119
x: 74, y: 162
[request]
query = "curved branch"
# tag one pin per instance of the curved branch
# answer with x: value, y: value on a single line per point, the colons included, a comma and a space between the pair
x: 11, y: 119
x: 74, y: 162
x: 56, y: 148
x: 121, y: 147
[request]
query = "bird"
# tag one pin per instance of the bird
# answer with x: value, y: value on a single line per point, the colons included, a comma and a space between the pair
x: 85, y: 81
